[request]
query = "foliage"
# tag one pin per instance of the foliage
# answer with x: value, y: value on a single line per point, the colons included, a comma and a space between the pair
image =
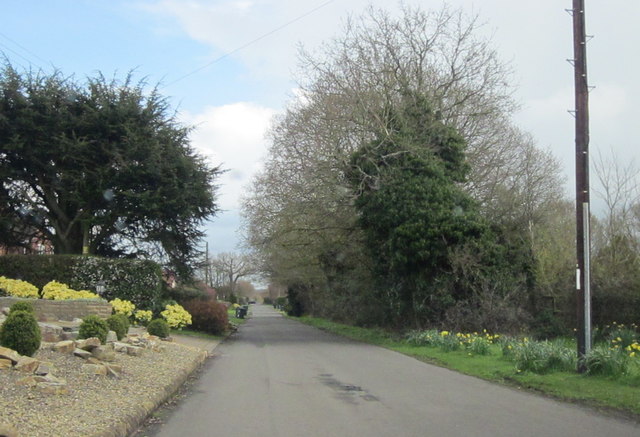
x: 143, y: 317
x: 18, y: 288
x: 138, y: 281
x: 117, y: 324
x: 100, y: 158
x: 94, y: 326
x: 542, y: 356
x: 126, y: 321
x: 607, y: 361
x: 547, y: 326
x: 159, y: 328
x: 176, y: 316
x: 20, y: 332
x: 22, y: 305
x: 123, y: 307
x: 208, y: 316
x: 55, y: 290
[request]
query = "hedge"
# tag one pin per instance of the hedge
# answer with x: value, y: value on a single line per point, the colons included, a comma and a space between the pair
x: 139, y: 281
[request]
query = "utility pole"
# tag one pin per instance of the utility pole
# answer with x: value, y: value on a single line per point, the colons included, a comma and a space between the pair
x: 207, y: 276
x: 583, y: 245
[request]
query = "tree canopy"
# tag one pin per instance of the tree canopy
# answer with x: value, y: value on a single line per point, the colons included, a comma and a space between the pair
x: 102, y: 164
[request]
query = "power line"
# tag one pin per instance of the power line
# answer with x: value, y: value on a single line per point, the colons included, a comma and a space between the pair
x: 261, y: 37
x: 23, y: 48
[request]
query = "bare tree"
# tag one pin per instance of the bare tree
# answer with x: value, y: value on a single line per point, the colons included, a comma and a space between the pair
x: 229, y: 267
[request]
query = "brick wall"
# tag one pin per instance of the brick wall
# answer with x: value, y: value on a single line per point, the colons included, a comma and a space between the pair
x: 53, y: 310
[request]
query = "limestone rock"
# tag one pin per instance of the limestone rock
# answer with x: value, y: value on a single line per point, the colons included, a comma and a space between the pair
x: 120, y: 347
x: 65, y: 346
x: 134, y: 351
x: 5, y: 311
x: 112, y: 336
x: 113, y: 370
x: 88, y: 344
x: 50, y: 333
x: 9, y: 354
x: 52, y: 388
x: 44, y: 369
x: 95, y: 369
x: 27, y: 364
x: 104, y: 353
x: 84, y: 354
x: 93, y: 360
x: 5, y: 364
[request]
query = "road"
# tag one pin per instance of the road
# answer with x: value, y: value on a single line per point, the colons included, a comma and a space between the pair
x: 280, y: 378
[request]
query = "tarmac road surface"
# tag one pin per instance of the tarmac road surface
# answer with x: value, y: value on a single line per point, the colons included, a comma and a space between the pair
x: 279, y: 378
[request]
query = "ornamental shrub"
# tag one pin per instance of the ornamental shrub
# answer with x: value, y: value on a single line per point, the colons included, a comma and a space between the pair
x: 125, y: 321
x: 22, y: 305
x: 117, y: 325
x: 143, y: 317
x: 94, y: 326
x: 121, y: 306
x: 159, y: 328
x: 18, y: 288
x: 208, y: 316
x: 21, y: 333
x: 58, y: 291
x: 176, y: 316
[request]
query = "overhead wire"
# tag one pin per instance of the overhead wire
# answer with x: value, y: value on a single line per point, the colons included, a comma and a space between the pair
x: 253, y: 41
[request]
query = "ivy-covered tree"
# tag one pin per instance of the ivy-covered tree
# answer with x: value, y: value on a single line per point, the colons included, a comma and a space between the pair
x: 416, y: 215
x: 100, y: 166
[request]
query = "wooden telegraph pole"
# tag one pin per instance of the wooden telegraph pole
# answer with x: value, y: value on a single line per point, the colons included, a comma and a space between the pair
x: 583, y: 286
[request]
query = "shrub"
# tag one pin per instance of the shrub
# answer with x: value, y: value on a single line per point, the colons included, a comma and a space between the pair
x: 22, y: 305
x: 176, y: 316
x: 58, y: 291
x: 20, y: 332
x: 125, y: 321
x: 123, y: 307
x: 158, y: 327
x: 94, y: 326
x: 117, y: 325
x: 143, y: 317
x: 207, y: 315
x: 18, y: 288
x: 543, y: 356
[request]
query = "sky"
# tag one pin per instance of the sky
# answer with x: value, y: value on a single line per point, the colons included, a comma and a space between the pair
x: 228, y: 67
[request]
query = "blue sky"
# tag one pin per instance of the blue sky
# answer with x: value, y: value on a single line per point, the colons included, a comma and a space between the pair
x: 233, y: 100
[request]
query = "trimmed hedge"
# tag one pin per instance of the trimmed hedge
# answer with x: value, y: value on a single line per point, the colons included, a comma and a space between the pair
x: 138, y: 281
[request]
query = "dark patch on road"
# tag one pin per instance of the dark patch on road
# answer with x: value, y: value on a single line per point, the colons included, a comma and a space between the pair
x: 347, y: 392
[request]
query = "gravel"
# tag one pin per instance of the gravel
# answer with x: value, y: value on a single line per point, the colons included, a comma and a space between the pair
x: 95, y: 405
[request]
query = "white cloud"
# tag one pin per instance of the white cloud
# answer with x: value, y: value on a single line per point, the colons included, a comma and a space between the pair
x: 232, y: 136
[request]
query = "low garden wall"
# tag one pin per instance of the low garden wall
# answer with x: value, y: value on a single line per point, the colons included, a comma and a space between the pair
x: 53, y: 310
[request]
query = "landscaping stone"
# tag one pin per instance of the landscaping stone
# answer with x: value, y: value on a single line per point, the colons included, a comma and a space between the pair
x: 112, y: 337
x: 27, y: 364
x: 95, y: 369
x: 44, y: 369
x: 84, y: 354
x: 65, y: 346
x: 50, y: 333
x: 104, y: 353
x: 136, y: 351
x: 88, y: 344
x: 5, y: 364
x: 8, y: 430
x: 52, y: 388
x: 9, y: 354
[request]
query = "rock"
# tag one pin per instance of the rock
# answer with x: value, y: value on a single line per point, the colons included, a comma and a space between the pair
x: 112, y: 336
x: 95, y: 369
x: 69, y: 335
x: 5, y: 364
x: 5, y: 311
x: 82, y: 353
x: 31, y: 381
x: 52, y: 388
x: 7, y: 430
x: 120, y: 347
x: 50, y: 333
x: 9, y: 354
x: 104, y: 353
x: 93, y: 360
x: 44, y: 369
x: 113, y: 370
x: 89, y: 344
x: 27, y: 364
x: 134, y: 350
x: 65, y: 346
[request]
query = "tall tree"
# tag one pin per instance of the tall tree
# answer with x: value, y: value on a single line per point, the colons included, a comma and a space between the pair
x: 100, y: 164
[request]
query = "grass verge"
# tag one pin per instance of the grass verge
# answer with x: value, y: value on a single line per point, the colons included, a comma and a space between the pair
x: 607, y: 394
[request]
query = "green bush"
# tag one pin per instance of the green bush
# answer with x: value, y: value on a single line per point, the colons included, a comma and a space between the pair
x: 94, y: 326
x: 20, y: 332
x: 138, y: 281
x: 159, y: 328
x: 207, y: 315
x: 22, y: 305
x: 117, y: 325
x: 125, y: 321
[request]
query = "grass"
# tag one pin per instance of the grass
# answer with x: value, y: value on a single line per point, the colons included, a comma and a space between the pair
x: 618, y: 394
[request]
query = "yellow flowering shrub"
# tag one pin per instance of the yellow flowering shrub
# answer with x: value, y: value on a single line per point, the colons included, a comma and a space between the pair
x: 176, y: 316
x: 143, y: 316
x: 55, y: 290
x: 121, y: 306
x: 18, y: 288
